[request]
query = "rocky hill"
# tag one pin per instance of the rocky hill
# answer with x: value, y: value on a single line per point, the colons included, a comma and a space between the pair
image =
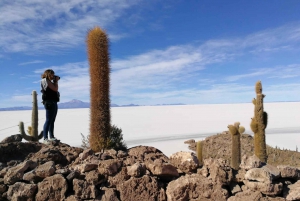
x: 219, y: 146
x: 35, y: 171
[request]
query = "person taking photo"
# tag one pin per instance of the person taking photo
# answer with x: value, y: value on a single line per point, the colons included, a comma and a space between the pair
x: 50, y: 96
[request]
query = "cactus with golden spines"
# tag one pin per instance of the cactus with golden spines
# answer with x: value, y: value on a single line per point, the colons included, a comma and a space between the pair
x: 259, y: 123
x: 98, y: 56
x: 33, y: 129
x: 234, y: 130
x: 199, y: 152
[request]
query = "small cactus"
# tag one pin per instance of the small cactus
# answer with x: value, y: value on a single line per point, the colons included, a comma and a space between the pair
x: 199, y: 152
x: 234, y: 130
x: 33, y: 129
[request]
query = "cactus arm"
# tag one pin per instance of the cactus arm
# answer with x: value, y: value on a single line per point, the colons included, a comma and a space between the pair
x: 241, y: 129
x: 254, y: 101
x: 253, y: 125
x: 232, y: 129
x: 40, y: 135
x: 22, y: 131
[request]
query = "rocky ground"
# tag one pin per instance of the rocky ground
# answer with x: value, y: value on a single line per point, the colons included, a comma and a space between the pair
x: 34, y: 171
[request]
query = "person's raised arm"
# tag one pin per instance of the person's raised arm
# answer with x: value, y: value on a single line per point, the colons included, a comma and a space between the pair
x: 53, y: 86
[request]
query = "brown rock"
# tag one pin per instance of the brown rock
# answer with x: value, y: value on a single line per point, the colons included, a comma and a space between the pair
x: 109, y: 167
x: 52, y: 188
x: 289, y: 172
x: 249, y: 162
x: 120, y: 177
x: 159, y: 168
x: 94, y: 178
x: 86, y: 167
x: 265, y: 188
x: 22, y: 191
x: 109, y: 195
x: 246, y: 196
x: 85, y: 154
x: 293, y: 192
x: 136, y: 170
x: 16, y: 173
x: 84, y: 190
x: 259, y: 174
x: 144, y: 188
x: 219, y: 170
x: 195, y: 187
x: 12, y: 138
x: 185, y: 161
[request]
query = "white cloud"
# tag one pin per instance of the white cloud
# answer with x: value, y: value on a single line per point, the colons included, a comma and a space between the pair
x: 27, y: 26
x: 31, y: 62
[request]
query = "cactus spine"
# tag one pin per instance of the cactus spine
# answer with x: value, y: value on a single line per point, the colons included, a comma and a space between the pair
x: 259, y: 123
x: 33, y: 129
x: 199, y: 152
x: 234, y: 130
x: 98, y: 55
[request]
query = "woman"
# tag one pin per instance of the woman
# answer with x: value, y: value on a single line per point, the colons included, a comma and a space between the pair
x: 50, y: 98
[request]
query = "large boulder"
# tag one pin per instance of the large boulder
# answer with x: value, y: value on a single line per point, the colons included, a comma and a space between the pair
x: 162, y: 169
x: 12, y: 138
x: 289, y: 172
x: 195, y: 187
x: 16, y: 173
x: 52, y: 188
x: 38, y: 174
x: 219, y: 170
x: 143, y: 188
x: 22, y: 191
x: 84, y: 190
x: 293, y: 191
x: 185, y: 161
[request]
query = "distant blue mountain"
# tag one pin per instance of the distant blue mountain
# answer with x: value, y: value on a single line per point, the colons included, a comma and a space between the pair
x: 73, y: 104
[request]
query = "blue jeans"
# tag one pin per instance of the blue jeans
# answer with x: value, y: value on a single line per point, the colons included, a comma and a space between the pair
x: 51, y: 111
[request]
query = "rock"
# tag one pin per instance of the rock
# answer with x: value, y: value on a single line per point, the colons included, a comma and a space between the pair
x: 195, y: 187
x: 185, y: 161
x: 219, y: 170
x: 246, y: 195
x: 22, y: 191
x: 52, y: 188
x: 161, y: 169
x: 265, y: 188
x: 45, y: 170
x: 86, y: 167
x: 259, y: 174
x: 289, y: 172
x: 274, y: 171
x: 119, y: 178
x: 109, y: 195
x: 109, y: 167
x: 84, y: 190
x: 144, y: 188
x: 293, y: 192
x: 16, y: 173
x: 3, y: 188
x: 12, y: 138
x: 235, y: 188
x: 249, y: 162
x: 136, y: 170
x: 94, y: 178
x: 85, y: 154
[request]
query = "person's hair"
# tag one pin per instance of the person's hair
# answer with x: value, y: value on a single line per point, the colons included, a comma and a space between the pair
x: 47, y: 73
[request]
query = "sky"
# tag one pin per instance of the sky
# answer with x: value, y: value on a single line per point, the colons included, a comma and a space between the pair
x: 161, y: 52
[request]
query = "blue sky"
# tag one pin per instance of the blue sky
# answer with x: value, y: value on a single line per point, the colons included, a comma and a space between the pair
x: 171, y: 51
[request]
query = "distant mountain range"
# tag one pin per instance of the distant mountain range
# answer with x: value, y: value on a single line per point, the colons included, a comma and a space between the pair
x: 72, y: 104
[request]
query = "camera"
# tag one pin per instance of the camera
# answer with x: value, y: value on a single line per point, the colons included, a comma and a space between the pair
x: 56, y: 76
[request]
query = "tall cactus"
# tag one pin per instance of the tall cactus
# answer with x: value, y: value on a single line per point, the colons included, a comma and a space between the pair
x: 259, y: 123
x: 33, y: 129
x: 98, y: 55
x: 235, y: 131
x: 199, y: 152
